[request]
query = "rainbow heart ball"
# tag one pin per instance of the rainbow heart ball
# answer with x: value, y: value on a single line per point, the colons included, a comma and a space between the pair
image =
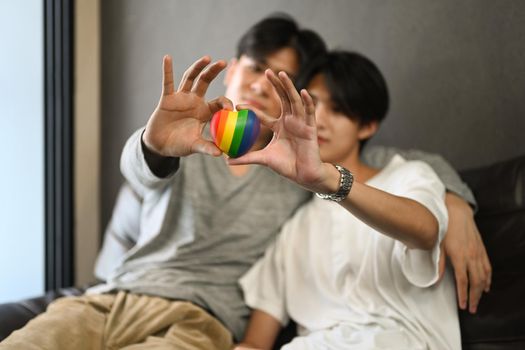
x: 235, y: 132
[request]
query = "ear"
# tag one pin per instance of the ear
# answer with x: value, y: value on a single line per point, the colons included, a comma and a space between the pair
x: 232, y: 66
x: 367, y: 130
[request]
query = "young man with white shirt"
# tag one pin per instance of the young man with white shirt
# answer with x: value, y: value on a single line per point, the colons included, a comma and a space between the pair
x: 357, y: 267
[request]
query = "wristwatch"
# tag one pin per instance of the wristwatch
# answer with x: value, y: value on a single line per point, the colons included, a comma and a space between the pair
x: 345, y: 185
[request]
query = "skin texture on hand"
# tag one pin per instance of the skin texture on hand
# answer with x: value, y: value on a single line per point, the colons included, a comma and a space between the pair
x: 175, y: 127
x: 465, y: 249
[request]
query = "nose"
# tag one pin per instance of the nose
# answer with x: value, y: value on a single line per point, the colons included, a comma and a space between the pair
x: 320, y: 116
x: 261, y: 85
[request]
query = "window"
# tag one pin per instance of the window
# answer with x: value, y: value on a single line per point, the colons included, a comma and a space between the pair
x: 21, y: 149
x: 36, y: 209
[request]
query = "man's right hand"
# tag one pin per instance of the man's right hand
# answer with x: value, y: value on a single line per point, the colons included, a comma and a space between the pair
x: 175, y: 127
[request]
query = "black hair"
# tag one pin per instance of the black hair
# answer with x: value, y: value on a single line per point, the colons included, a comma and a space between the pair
x: 277, y: 32
x: 357, y: 87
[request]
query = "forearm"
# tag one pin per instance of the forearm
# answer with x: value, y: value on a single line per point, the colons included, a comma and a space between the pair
x: 400, y: 218
x: 262, y: 331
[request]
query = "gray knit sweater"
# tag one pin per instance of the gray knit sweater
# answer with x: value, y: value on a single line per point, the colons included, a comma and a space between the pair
x: 201, y: 229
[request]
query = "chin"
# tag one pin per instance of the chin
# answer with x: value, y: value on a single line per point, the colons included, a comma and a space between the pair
x: 324, y: 158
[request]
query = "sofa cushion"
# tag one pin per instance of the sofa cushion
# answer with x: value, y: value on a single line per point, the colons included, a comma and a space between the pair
x: 14, y: 316
x: 500, y: 320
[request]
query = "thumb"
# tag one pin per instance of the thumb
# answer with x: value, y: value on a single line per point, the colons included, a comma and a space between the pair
x: 205, y: 147
x: 220, y: 103
x: 255, y: 157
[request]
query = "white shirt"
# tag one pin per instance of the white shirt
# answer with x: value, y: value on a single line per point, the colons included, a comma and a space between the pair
x: 349, y: 287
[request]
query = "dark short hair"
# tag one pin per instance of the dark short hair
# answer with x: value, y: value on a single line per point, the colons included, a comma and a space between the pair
x: 356, y: 85
x: 276, y: 32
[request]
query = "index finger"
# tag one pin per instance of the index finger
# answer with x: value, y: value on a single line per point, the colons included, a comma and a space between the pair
x: 206, y: 77
x: 475, y: 288
x: 461, y: 285
x: 295, y: 100
x: 309, y: 108
x: 192, y: 72
x: 279, y: 88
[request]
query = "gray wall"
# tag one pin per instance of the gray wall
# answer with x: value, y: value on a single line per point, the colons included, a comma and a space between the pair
x: 455, y: 68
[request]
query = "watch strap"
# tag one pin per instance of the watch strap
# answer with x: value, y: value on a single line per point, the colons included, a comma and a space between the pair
x: 345, y: 185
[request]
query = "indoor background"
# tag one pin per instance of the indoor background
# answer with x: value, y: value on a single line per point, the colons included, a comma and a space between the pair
x: 455, y: 69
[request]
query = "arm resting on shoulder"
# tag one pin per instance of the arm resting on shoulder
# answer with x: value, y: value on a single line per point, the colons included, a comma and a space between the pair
x: 379, y: 156
x: 174, y: 129
x: 465, y: 249
x: 462, y: 243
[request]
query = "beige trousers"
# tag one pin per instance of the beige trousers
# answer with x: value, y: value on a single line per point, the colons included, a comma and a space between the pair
x: 121, y: 321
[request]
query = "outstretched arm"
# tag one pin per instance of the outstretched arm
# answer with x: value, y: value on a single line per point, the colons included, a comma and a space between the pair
x: 175, y: 127
x: 294, y: 154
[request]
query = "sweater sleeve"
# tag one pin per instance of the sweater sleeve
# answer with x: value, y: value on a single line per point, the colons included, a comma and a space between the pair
x: 140, y: 169
x: 379, y: 156
x: 121, y: 233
